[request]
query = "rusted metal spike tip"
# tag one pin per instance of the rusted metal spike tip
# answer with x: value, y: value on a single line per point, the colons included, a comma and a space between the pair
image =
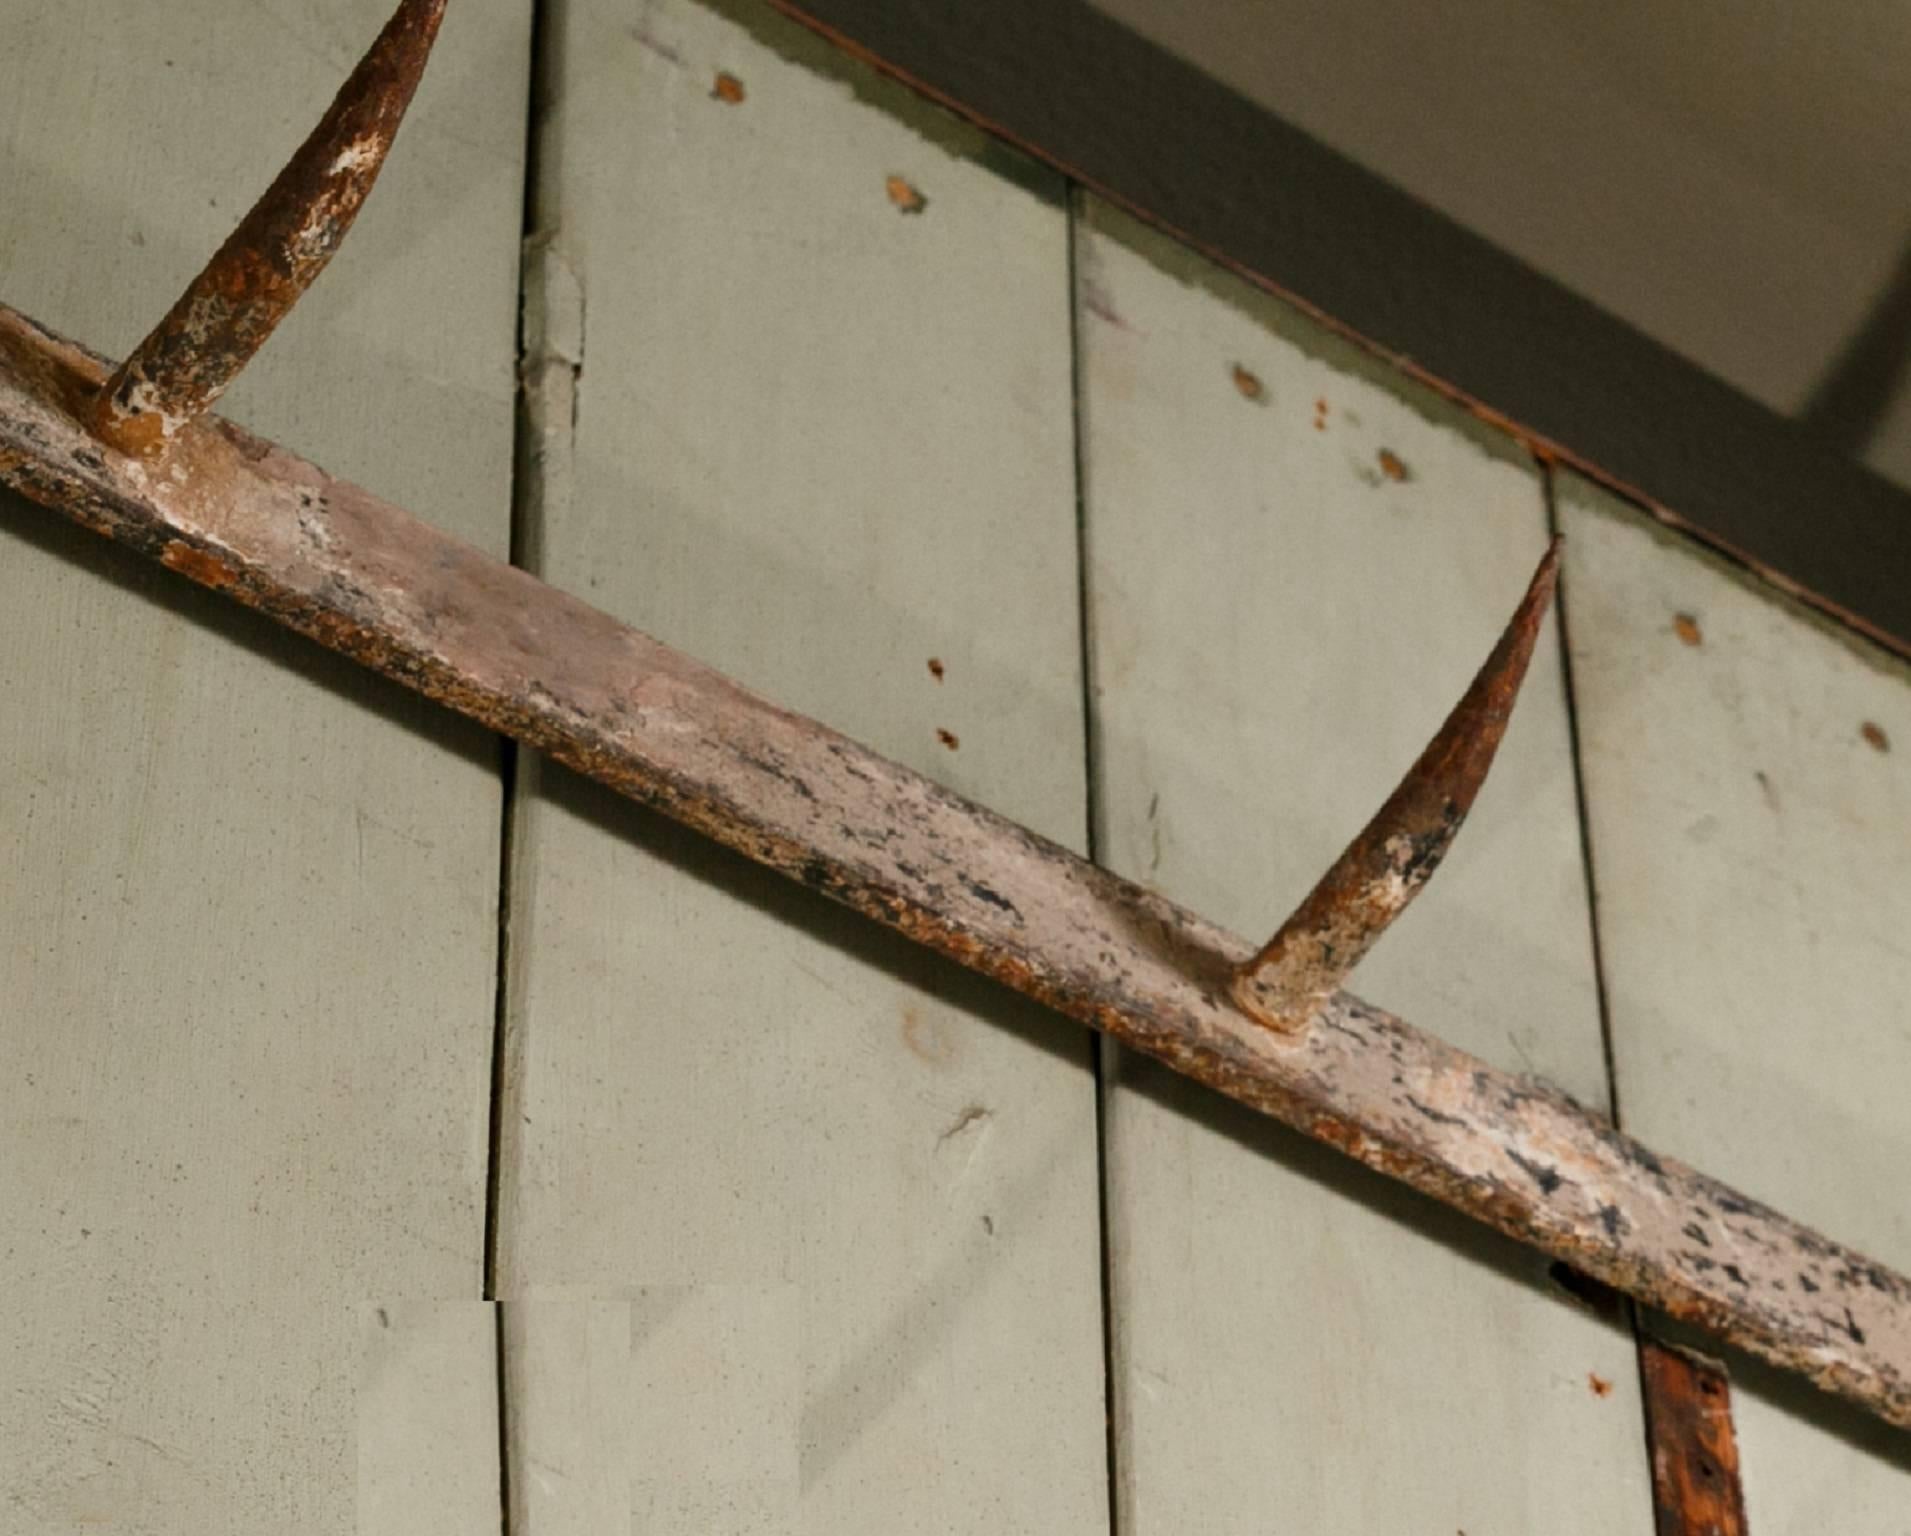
x: 251, y: 284
x: 1302, y: 966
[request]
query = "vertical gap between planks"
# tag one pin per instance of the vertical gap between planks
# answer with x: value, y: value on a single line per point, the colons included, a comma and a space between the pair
x: 522, y: 544
x: 1101, y: 1049
x: 1562, y: 598
x: 1663, y: 1446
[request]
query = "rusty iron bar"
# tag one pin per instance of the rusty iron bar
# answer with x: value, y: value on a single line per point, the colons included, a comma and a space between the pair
x: 247, y: 518
x: 1695, y: 1477
x: 1289, y: 982
x: 279, y: 248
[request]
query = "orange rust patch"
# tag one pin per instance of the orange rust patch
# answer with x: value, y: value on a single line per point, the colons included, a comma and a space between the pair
x: 1249, y: 384
x: 905, y: 195
x: 1695, y: 1469
x: 1600, y: 1386
x: 726, y: 87
x: 1687, y: 629
x: 1393, y: 466
x: 948, y: 738
x: 1874, y: 735
x: 207, y: 570
x: 935, y: 668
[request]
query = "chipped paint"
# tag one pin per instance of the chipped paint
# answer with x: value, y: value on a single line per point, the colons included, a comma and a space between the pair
x: 279, y: 248
x: 492, y: 642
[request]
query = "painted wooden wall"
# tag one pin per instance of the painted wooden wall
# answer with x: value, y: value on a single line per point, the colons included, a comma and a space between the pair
x: 1748, y: 777
x: 248, y: 909
x: 792, y: 1228
x: 821, y: 434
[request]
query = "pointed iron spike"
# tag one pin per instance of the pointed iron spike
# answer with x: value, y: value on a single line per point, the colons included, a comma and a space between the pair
x: 1287, y: 983
x: 251, y: 284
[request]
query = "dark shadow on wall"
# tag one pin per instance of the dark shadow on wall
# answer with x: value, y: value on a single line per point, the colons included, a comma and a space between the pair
x: 1155, y: 135
x: 1848, y: 406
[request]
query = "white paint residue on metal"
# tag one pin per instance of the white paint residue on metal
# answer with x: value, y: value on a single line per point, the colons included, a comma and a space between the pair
x: 248, y: 891
x: 1753, y: 851
x: 1279, y: 625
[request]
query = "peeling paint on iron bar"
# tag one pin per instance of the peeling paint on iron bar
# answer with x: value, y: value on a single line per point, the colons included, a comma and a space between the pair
x: 274, y: 532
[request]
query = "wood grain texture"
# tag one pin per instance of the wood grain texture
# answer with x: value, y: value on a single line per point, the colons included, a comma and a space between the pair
x: 1294, y: 568
x: 1750, y: 839
x: 250, y: 891
x: 822, y: 439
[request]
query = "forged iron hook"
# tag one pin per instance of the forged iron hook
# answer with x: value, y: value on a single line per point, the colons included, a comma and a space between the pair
x: 1287, y: 983
x: 252, y: 282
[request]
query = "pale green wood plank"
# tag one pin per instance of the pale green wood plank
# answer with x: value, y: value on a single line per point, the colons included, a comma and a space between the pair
x: 568, y: 1414
x: 248, y: 898
x: 819, y: 441
x: 1752, y: 852
x: 1278, y: 624
x: 666, y: 1410
x: 428, y: 1461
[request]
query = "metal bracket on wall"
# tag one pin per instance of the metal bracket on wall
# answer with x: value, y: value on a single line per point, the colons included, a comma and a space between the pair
x: 130, y: 454
x: 1696, y: 1489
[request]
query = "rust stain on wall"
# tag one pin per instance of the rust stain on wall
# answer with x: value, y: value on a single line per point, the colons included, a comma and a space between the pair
x: 905, y: 194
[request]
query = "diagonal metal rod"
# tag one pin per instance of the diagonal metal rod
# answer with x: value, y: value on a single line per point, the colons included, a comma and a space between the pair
x: 1287, y: 984
x: 274, y: 532
x: 279, y: 248
x: 244, y: 517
